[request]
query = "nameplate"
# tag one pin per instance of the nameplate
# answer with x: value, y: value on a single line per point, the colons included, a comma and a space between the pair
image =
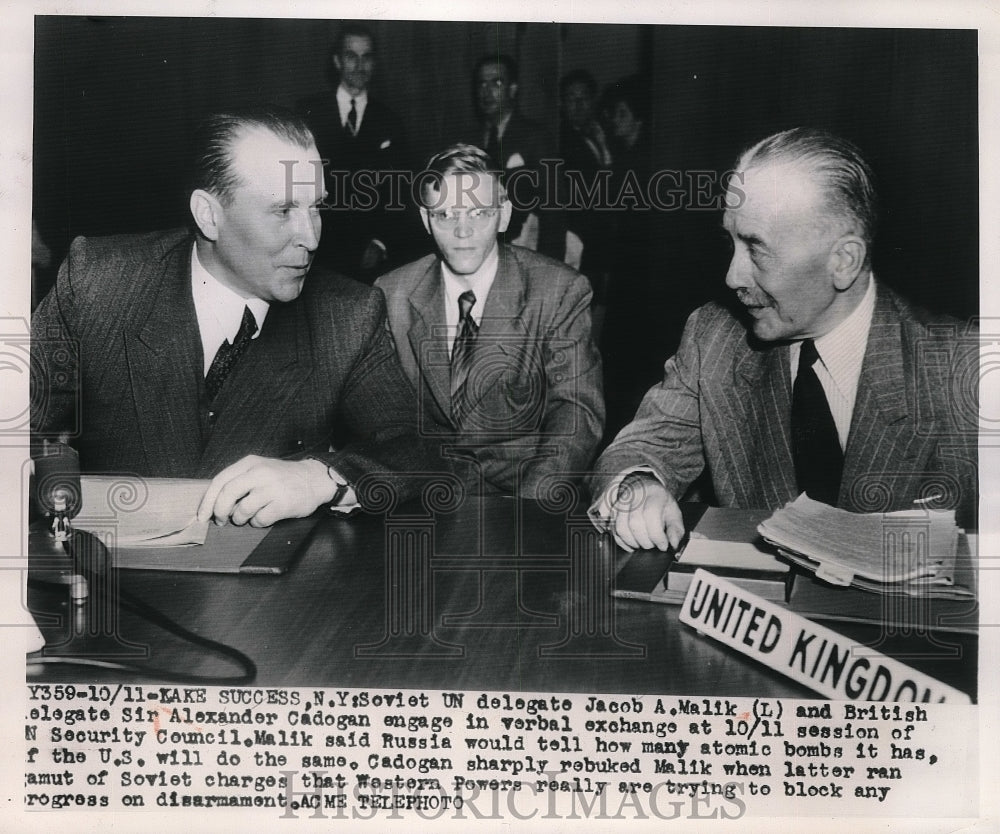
x: 815, y: 656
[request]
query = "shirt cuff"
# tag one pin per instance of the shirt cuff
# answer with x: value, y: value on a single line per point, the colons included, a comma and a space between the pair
x: 601, y: 512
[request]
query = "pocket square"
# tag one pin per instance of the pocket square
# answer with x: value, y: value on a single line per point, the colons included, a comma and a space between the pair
x: 385, y: 144
x: 515, y: 161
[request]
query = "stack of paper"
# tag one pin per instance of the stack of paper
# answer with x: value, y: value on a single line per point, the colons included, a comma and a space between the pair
x: 143, y: 512
x: 725, y: 542
x: 911, y: 551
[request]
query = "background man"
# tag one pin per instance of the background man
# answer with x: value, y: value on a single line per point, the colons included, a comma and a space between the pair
x: 518, y: 144
x: 496, y: 338
x: 208, y: 353
x: 361, y: 140
x: 584, y: 150
x: 827, y: 383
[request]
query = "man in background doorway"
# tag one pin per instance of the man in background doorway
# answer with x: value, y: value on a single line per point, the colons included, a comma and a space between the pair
x: 360, y: 140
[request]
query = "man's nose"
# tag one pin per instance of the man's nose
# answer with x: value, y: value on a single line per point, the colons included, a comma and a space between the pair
x: 463, y: 225
x: 308, y: 230
x: 738, y: 274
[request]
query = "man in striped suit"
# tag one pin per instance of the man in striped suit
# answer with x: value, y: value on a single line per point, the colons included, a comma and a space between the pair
x: 824, y: 381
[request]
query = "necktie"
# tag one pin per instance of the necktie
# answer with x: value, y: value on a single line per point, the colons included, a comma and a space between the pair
x: 229, y: 354
x: 352, y: 120
x: 461, y: 352
x: 819, y: 461
x: 493, y: 145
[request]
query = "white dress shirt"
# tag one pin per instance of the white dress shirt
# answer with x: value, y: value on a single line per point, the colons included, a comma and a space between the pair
x: 219, y: 310
x: 479, y: 282
x: 841, y: 353
x: 501, y: 130
x: 344, y: 106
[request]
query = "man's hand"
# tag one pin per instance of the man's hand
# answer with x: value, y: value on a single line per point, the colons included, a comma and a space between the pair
x: 260, y: 491
x: 645, y: 515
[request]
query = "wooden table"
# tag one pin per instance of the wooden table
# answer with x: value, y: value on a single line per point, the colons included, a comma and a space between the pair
x: 474, y: 594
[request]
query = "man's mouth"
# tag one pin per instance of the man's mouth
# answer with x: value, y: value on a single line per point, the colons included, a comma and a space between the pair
x: 751, y: 303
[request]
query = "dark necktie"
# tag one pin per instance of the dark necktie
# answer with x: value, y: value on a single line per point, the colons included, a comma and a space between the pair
x: 228, y: 354
x: 819, y: 461
x: 493, y: 145
x: 461, y: 352
x: 352, y: 120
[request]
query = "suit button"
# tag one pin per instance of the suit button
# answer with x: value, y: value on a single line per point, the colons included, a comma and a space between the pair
x: 211, y: 417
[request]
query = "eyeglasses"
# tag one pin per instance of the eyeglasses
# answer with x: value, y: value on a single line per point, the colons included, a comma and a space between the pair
x: 450, y: 217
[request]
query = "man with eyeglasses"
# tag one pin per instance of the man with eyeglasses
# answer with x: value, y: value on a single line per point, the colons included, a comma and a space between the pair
x: 518, y: 144
x: 495, y: 338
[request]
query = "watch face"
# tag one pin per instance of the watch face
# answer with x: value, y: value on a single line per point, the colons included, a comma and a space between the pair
x: 338, y: 496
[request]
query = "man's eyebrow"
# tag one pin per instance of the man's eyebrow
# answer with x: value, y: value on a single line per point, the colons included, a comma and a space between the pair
x: 281, y: 205
x: 751, y: 240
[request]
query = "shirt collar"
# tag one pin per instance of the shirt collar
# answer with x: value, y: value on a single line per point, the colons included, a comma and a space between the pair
x: 219, y: 308
x: 344, y: 103
x: 842, y: 350
x: 479, y: 282
x: 501, y: 125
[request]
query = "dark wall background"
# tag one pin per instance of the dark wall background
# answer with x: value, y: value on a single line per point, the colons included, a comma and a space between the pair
x: 115, y: 99
x: 907, y: 97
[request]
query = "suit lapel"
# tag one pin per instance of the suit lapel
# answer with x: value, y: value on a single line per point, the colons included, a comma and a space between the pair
x: 164, y: 360
x: 880, y: 429
x: 505, y: 302
x: 502, y: 326
x: 262, y: 387
x: 762, y: 440
x: 428, y: 338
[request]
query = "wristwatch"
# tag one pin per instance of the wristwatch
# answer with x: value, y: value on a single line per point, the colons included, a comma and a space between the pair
x: 342, y: 486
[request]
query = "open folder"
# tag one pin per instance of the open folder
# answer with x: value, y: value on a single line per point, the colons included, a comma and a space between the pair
x: 725, y: 542
x: 151, y: 524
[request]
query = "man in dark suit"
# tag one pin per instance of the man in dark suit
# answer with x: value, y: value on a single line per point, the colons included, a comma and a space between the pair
x: 519, y: 144
x: 584, y: 150
x: 497, y: 339
x: 828, y: 382
x: 210, y: 355
x: 362, y: 143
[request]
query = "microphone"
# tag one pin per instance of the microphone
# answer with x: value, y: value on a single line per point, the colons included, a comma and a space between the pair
x: 56, y: 497
x: 56, y: 493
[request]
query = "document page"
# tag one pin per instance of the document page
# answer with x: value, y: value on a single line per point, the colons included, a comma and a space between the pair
x: 143, y: 512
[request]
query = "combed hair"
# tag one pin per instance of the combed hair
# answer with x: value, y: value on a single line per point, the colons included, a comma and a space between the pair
x: 502, y: 59
x: 578, y: 76
x: 351, y: 28
x: 454, y: 159
x: 211, y: 166
x: 845, y: 176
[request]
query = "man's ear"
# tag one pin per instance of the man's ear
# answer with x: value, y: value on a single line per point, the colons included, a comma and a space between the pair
x: 206, y: 211
x: 512, y: 88
x: 336, y: 63
x: 426, y: 219
x: 505, y: 209
x: 847, y: 259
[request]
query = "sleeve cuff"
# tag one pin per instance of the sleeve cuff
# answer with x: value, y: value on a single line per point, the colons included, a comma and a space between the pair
x: 601, y: 512
x: 345, y: 499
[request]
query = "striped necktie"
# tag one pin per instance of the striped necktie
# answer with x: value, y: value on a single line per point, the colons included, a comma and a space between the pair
x: 228, y: 354
x: 461, y: 353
